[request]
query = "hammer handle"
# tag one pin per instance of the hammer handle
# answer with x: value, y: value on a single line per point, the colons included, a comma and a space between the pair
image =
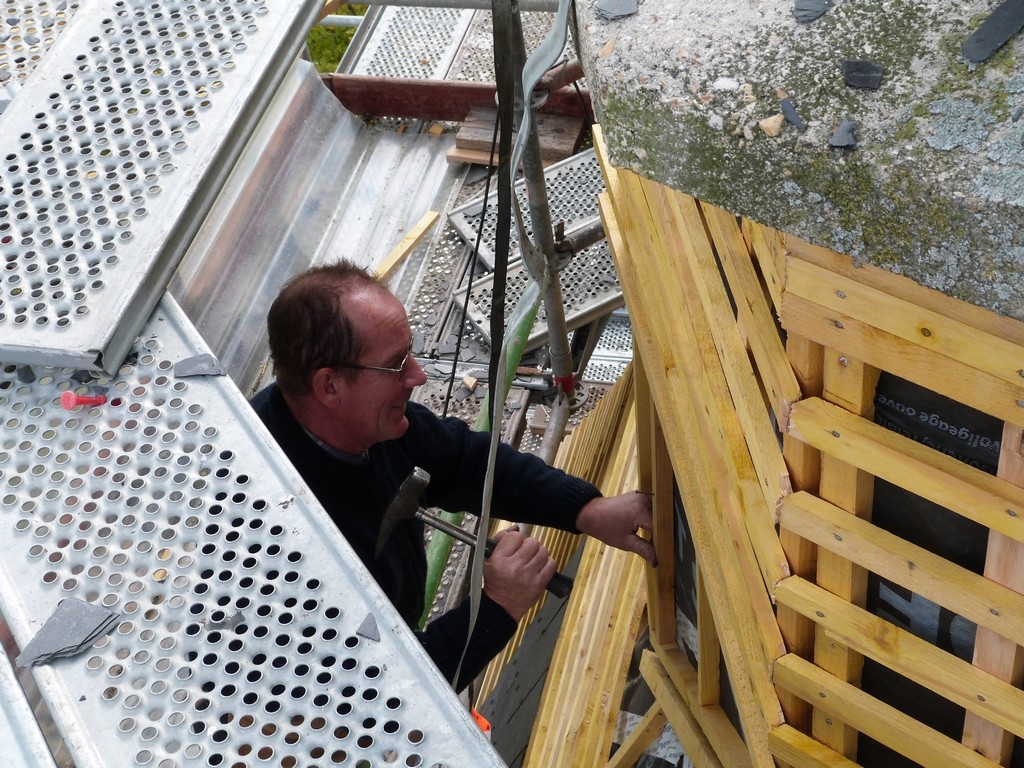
x: 560, y: 584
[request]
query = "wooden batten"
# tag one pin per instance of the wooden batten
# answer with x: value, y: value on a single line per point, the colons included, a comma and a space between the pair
x: 981, y: 600
x: 747, y: 632
x: 688, y: 730
x: 978, y: 496
x: 700, y: 269
x: 640, y: 738
x: 768, y: 246
x: 799, y: 750
x: 867, y: 714
x: 951, y: 677
x: 755, y: 314
x: 949, y: 337
x: 956, y: 379
x: 718, y: 731
x: 851, y: 490
x: 751, y: 457
x: 902, y: 287
x: 397, y: 256
x: 576, y: 719
x: 1002, y: 657
x: 655, y: 477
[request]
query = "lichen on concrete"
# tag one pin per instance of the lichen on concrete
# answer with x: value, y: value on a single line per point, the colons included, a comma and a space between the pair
x: 934, y: 189
x: 959, y: 125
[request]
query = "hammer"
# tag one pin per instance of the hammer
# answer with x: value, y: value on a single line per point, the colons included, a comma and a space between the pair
x: 406, y: 505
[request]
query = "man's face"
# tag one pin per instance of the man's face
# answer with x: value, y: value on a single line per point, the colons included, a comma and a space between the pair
x: 373, y: 407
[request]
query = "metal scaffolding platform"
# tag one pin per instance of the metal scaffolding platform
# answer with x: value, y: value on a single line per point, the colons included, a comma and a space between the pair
x: 115, y: 145
x: 590, y: 285
x: 248, y: 630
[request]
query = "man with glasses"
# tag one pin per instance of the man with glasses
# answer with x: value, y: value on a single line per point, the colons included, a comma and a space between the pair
x: 340, y: 409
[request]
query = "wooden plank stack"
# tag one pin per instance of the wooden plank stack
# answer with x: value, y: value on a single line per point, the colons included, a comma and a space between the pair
x: 559, y: 137
x: 579, y: 706
x: 757, y: 361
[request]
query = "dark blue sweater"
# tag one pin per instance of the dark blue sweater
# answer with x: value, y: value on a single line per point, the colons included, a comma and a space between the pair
x: 356, y: 496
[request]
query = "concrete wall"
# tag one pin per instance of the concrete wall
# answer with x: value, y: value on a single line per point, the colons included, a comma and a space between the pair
x: 934, y: 188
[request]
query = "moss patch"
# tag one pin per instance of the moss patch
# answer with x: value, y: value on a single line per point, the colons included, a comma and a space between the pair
x: 328, y: 44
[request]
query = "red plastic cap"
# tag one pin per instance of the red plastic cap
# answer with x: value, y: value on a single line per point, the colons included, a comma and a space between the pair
x: 70, y: 400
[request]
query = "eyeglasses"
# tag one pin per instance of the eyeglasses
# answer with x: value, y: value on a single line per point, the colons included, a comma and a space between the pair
x: 400, y: 370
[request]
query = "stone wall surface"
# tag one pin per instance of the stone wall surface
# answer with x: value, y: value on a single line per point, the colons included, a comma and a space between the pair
x: 689, y: 93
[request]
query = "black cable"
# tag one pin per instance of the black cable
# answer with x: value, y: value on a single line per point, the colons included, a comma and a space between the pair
x: 472, y: 271
x: 583, y: 103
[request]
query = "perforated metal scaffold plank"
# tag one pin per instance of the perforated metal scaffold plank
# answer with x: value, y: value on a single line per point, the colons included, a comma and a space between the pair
x: 249, y: 632
x: 613, y: 352
x: 412, y: 42
x: 572, y: 186
x: 590, y: 290
x: 27, y: 30
x: 113, y: 148
x: 590, y: 284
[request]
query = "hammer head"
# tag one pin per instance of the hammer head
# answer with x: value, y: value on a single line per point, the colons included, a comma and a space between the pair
x: 404, y: 506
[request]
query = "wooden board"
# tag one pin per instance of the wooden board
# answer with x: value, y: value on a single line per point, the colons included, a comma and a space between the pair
x: 444, y: 100
x: 480, y: 157
x: 916, y: 659
x: 978, y: 496
x: 559, y: 135
x: 1002, y: 657
x: 948, y: 337
x: 867, y: 714
x: 754, y: 313
x: 984, y: 602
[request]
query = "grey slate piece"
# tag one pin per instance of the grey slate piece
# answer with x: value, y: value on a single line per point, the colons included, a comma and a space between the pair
x: 25, y: 374
x: 1004, y: 22
x: 73, y: 626
x: 611, y: 10
x: 198, y: 365
x: 844, y: 135
x: 368, y: 629
x: 791, y: 115
x: 807, y: 11
x: 861, y: 73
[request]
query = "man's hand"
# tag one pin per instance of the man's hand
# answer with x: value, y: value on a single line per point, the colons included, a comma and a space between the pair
x: 517, y: 572
x: 615, y: 521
